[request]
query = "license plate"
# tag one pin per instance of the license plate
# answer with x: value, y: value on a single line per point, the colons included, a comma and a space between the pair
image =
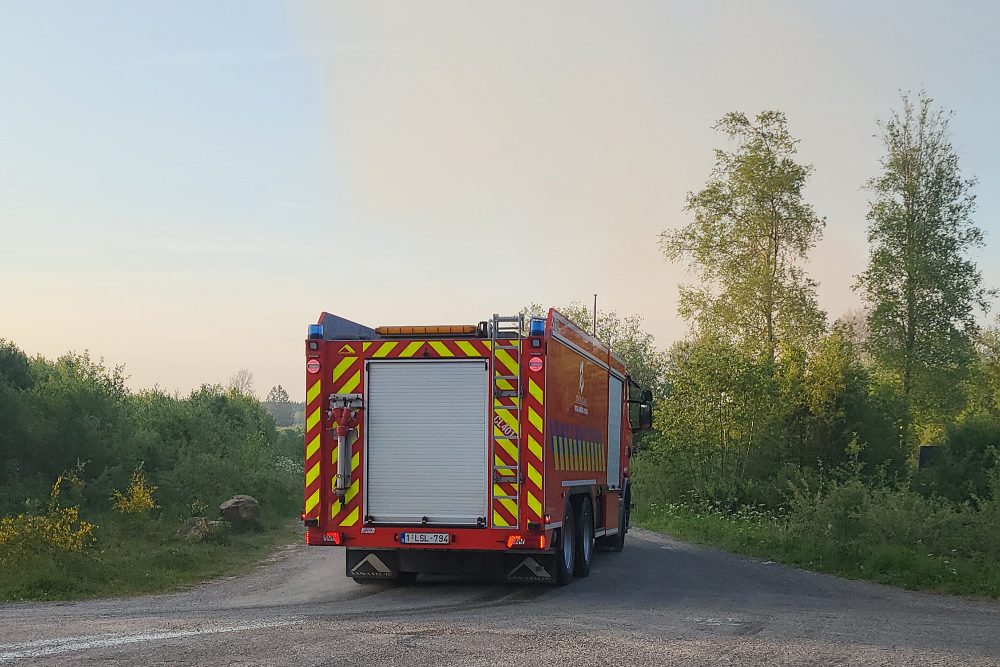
x: 425, y: 538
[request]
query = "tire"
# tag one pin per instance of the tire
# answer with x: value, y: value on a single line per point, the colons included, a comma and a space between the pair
x: 566, y: 556
x: 584, y: 538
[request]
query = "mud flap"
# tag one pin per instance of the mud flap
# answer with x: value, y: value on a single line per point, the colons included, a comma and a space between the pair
x: 365, y: 564
x: 531, y: 567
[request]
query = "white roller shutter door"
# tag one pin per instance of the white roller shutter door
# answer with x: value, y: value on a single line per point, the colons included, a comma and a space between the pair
x: 427, y: 441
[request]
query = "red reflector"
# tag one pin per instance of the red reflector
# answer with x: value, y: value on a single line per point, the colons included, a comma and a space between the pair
x: 312, y: 366
x: 334, y: 537
x: 522, y: 542
x: 535, y: 364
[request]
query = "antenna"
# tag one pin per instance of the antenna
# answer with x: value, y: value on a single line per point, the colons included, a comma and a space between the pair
x: 595, y: 316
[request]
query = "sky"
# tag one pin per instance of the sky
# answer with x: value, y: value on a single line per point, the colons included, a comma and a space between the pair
x: 185, y: 186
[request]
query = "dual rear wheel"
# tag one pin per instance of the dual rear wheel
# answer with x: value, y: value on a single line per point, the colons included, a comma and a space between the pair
x: 576, y: 540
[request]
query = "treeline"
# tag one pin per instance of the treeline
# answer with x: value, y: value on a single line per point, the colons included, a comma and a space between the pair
x: 874, y: 433
x: 74, y: 418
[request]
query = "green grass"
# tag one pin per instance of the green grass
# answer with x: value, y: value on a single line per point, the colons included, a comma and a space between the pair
x: 767, y: 536
x: 139, y: 556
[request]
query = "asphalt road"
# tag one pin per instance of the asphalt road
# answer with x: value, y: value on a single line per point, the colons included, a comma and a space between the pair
x: 661, y: 602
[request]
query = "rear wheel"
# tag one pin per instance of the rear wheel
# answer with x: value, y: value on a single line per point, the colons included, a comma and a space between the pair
x: 567, y: 547
x: 585, y: 538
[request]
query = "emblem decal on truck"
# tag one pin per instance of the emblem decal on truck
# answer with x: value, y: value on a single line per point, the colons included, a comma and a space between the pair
x: 376, y: 568
x: 528, y: 569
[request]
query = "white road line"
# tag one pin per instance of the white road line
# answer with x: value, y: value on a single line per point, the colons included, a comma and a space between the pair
x: 44, y: 647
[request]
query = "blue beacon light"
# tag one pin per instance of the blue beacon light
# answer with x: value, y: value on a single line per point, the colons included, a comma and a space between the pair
x: 315, y: 331
x: 536, y: 327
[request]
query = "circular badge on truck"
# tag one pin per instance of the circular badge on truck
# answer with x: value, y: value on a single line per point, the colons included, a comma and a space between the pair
x: 535, y: 364
x: 312, y: 365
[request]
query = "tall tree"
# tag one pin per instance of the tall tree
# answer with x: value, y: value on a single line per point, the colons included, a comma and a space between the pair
x: 241, y: 382
x: 922, y: 287
x: 278, y: 394
x: 751, y: 233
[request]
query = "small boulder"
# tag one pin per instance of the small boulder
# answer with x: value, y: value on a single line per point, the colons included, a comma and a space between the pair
x: 242, y: 512
x: 194, y: 529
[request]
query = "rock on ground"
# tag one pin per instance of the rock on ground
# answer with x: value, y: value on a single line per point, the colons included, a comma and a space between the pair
x: 242, y: 512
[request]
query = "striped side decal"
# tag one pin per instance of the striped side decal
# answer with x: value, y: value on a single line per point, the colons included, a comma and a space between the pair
x: 314, y: 409
x: 534, y: 498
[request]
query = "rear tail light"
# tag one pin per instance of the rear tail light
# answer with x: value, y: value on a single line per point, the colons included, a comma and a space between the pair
x: 526, y: 542
x: 333, y: 537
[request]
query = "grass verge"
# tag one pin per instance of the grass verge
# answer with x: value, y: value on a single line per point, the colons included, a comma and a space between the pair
x: 139, y: 555
x: 767, y: 536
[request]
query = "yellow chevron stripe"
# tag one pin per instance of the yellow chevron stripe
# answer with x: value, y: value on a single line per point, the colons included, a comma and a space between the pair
x: 312, y: 420
x: 441, y: 349
x: 536, y: 391
x: 534, y: 505
x: 510, y: 448
x: 312, y: 474
x: 535, y: 476
x: 352, y: 490
x: 504, y: 384
x: 511, y: 506
x: 498, y: 520
x: 385, y: 349
x: 312, y: 501
x: 534, y: 447
x: 365, y: 346
x: 335, y: 507
x: 313, y: 392
x: 342, y: 367
x: 355, y: 460
x: 469, y: 349
x: 411, y: 349
x: 351, y: 384
x: 312, y: 447
x: 351, y: 518
x: 534, y: 418
x: 509, y: 418
x: 507, y: 361
x: 497, y: 461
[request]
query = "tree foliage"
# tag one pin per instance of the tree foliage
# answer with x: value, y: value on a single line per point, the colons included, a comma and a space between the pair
x: 749, y: 239
x: 921, y: 284
x: 77, y: 414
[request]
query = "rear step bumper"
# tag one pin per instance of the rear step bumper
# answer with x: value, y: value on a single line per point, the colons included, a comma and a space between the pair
x: 387, y: 564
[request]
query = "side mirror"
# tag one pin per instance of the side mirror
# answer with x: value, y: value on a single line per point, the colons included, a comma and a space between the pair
x: 647, y: 395
x: 645, y: 414
x: 640, y: 416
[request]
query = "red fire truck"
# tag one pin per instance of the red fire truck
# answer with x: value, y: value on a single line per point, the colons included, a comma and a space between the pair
x: 499, y: 448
